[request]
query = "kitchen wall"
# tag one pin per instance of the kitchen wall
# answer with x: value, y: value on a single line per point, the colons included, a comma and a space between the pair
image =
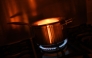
x: 12, y: 11
x: 2, y: 25
x: 89, y: 11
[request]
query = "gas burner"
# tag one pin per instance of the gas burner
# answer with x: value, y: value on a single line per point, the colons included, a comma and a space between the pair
x: 55, y: 47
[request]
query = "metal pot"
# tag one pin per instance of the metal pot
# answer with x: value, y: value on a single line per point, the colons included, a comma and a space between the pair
x: 48, y: 31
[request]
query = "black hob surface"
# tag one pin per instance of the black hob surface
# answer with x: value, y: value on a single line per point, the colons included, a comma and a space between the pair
x: 79, y: 46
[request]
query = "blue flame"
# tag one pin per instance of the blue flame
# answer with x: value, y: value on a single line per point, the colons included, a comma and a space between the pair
x: 65, y: 41
x: 54, y: 48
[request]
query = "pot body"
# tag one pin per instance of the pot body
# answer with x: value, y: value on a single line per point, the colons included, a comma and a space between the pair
x: 49, y: 34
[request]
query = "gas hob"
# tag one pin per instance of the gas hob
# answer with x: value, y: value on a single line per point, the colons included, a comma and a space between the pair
x: 79, y: 46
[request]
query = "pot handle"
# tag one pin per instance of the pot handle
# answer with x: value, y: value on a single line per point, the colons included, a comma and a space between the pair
x: 65, y: 22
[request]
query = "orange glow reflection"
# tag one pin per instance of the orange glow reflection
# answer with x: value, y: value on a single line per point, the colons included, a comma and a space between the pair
x: 15, y: 19
x: 47, y: 21
x: 33, y: 7
x: 49, y: 33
